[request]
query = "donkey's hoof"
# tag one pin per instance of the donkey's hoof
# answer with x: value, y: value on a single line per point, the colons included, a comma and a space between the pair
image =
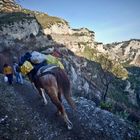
x: 69, y: 126
x: 45, y: 102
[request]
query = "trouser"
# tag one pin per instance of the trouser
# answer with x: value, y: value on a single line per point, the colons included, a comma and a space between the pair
x: 10, y: 78
x: 19, y: 78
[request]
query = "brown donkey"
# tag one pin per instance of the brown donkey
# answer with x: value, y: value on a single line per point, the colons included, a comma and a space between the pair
x: 54, y: 81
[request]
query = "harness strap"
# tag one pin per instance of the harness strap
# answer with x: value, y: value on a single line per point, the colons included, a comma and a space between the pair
x: 45, y: 73
x: 46, y: 70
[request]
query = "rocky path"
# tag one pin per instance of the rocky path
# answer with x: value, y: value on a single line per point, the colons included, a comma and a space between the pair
x: 28, y: 118
x: 48, y: 120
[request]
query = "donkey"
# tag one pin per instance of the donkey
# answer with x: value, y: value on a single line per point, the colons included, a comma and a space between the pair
x: 54, y: 81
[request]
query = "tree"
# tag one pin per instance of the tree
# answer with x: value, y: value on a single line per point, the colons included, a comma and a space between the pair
x: 105, y: 77
x: 109, y: 70
x: 119, y: 71
x: 134, y: 79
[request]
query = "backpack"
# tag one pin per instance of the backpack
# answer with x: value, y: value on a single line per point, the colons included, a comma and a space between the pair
x: 37, y: 58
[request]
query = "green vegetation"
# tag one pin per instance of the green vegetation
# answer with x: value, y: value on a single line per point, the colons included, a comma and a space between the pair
x: 126, y: 63
x: 27, y: 11
x: 112, y: 66
x: 134, y: 79
x: 106, y: 106
x: 44, y: 19
x: 122, y: 114
x: 119, y: 71
x: 137, y: 125
x: 107, y: 64
x: 79, y: 34
x: 14, y: 17
x: 89, y: 53
x: 109, y: 67
x: 120, y: 98
x: 47, y: 21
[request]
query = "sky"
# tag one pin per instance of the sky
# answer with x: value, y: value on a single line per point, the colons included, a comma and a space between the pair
x: 111, y: 20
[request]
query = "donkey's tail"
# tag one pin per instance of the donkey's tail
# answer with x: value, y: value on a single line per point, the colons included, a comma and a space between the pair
x: 69, y: 99
x: 64, y: 83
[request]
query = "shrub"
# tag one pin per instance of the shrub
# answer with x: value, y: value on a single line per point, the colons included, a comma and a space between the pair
x: 123, y: 114
x: 107, y: 64
x: 10, y: 18
x: 89, y: 53
x: 106, y: 106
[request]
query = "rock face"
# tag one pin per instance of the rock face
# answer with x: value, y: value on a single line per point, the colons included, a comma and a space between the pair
x: 125, y: 52
x: 14, y: 23
x: 28, y: 22
x: 9, y: 6
x: 83, y: 80
x: 60, y: 28
x: 15, y: 31
x: 20, y: 29
x: 75, y: 39
x: 21, y: 32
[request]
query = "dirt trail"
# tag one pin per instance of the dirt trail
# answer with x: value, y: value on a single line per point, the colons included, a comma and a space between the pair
x: 25, y: 117
x: 46, y: 114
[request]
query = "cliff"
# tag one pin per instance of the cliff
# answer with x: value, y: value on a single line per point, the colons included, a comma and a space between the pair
x: 84, y: 59
x: 127, y: 52
x: 9, y: 6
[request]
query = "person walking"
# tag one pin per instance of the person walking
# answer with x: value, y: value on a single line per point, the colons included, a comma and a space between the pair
x: 7, y: 71
x: 19, y: 78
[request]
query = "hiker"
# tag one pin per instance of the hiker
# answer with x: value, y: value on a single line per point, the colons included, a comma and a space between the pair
x: 19, y: 78
x: 7, y: 71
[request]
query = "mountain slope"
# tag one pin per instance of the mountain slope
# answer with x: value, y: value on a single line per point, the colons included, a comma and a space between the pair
x: 28, y: 30
x: 25, y: 115
x: 127, y: 52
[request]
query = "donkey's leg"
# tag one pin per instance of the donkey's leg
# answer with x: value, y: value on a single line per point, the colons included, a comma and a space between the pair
x: 43, y: 95
x: 37, y: 88
x: 59, y: 97
x: 52, y: 92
